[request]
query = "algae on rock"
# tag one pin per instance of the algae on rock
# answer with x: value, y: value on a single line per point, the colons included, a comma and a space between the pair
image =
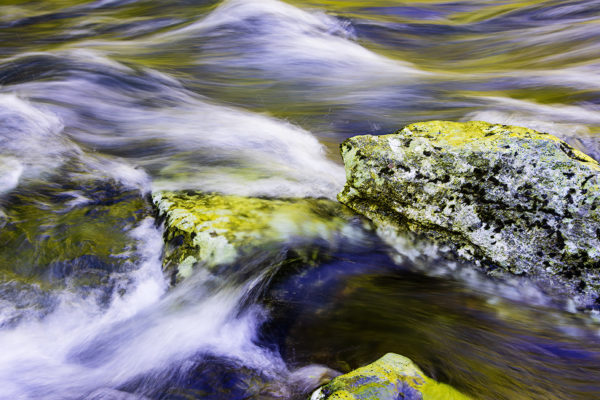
x: 391, y: 377
x: 505, y: 196
x: 215, y: 230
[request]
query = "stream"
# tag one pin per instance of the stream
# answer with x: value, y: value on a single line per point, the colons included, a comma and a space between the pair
x: 104, y: 102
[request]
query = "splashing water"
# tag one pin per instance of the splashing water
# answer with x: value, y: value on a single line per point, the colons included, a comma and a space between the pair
x: 103, y: 102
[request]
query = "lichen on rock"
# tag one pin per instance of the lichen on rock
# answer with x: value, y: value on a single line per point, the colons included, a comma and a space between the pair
x: 507, y: 197
x: 215, y: 230
x: 391, y: 377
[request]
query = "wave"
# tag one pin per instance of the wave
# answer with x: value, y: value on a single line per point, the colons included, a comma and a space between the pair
x: 133, y: 122
x: 80, y: 347
x: 286, y: 43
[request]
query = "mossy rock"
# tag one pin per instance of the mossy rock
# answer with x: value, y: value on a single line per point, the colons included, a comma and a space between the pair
x: 509, y: 198
x: 391, y: 377
x: 216, y: 230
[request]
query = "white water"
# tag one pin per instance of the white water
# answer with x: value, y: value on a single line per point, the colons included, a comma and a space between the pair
x: 201, y: 114
x: 288, y: 44
x: 81, y: 347
x: 190, y: 143
x: 186, y: 141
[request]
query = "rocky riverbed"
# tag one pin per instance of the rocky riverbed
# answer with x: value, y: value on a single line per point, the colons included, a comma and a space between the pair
x: 168, y: 219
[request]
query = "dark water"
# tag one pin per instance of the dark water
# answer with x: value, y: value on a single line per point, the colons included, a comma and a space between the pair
x: 103, y: 102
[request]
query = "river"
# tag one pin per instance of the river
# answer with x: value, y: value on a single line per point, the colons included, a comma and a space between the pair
x: 103, y: 102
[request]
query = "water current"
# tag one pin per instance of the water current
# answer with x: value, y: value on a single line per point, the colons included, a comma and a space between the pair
x: 103, y: 102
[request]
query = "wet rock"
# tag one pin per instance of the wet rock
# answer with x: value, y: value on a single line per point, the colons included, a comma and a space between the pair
x: 211, y: 377
x: 216, y: 230
x: 510, y: 198
x: 391, y: 377
x: 53, y: 239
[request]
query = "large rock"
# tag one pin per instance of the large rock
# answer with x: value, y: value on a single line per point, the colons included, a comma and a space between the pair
x: 391, y: 377
x: 507, y: 196
x: 216, y: 230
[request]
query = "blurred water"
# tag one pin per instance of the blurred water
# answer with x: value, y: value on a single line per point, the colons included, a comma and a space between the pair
x: 102, y: 102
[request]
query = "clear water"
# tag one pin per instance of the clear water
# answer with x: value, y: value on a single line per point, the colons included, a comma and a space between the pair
x: 102, y: 102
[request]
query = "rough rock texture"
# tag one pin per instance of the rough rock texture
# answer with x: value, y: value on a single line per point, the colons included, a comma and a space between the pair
x: 391, y: 377
x: 215, y: 230
x: 510, y: 197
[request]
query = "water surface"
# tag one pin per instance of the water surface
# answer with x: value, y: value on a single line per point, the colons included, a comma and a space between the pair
x: 102, y: 102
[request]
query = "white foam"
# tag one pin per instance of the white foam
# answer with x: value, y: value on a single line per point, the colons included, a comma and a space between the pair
x: 10, y: 172
x: 289, y: 43
x: 80, y: 348
x: 33, y: 144
x: 31, y: 136
x: 529, y: 121
x: 560, y: 113
x: 255, y: 154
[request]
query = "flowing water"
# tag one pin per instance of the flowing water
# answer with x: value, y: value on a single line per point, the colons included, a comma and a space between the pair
x: 103, y: 102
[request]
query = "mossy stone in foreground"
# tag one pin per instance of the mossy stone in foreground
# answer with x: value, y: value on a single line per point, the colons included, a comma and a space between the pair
x: 506, y: 196
x: 391, y: 377
x: 215, y: 230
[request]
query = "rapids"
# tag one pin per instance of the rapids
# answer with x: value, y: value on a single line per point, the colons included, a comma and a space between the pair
x: 103, y: 102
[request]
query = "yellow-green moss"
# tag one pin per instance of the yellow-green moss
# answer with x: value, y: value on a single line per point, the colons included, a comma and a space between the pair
x: 505, y: 196
x: 391, y: 377
x: 484, y: 134
x: 215, y: 229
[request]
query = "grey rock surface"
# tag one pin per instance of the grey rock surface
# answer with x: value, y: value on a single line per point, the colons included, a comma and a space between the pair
x: 509, y: 198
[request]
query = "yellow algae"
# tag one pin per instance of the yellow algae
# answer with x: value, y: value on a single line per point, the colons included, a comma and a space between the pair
x: 391, y: 377
x: 214, y: 229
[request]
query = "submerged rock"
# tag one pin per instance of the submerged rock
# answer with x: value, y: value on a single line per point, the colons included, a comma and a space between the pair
x: 52, y: 241
x: 391, y: 377
x: 215, y: 230
x: 75, y: 238
x: 48, y: 238
x: 503, y: 196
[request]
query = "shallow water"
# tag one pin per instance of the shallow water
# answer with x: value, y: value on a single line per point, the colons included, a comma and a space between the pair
x: 102, y: 102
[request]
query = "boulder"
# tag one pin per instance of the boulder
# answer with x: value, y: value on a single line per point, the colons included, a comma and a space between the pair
x: 509, y: 198
x: 216, y: 230
x: 391, y: 377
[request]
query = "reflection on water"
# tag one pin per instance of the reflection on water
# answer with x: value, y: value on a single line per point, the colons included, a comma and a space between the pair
x: 107, y: 100
x: 484, y: 345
